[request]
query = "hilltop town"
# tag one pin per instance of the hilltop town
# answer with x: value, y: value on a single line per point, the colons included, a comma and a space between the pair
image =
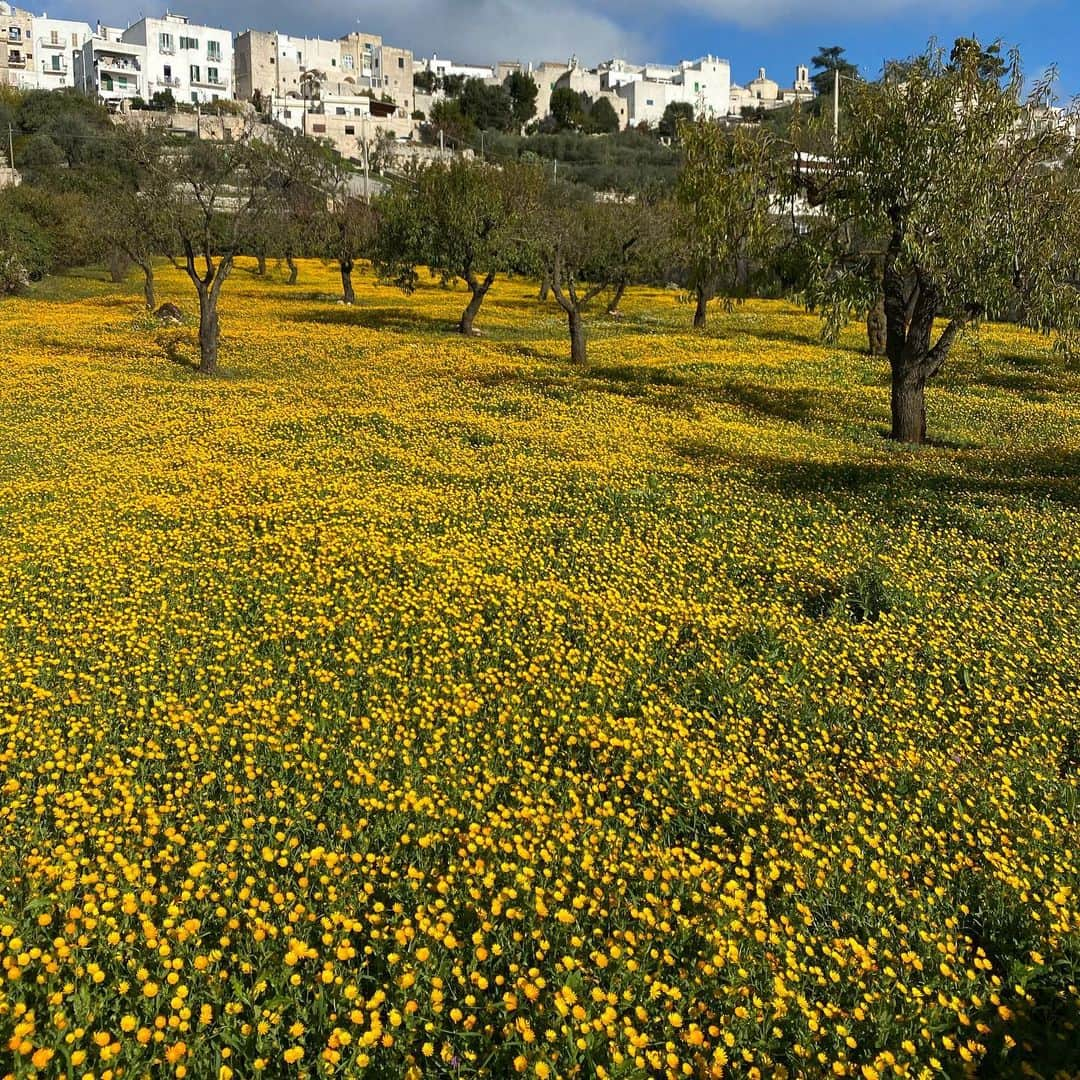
x: 349, y: 88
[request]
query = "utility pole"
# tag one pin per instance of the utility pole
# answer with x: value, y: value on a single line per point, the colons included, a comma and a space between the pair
x: 836, y: 108
x: 11, y: 146
x: 363, y: 128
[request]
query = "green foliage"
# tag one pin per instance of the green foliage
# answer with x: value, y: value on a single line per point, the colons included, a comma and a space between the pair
x: 488, y: 108
x: 725, y: 209
x: 425, y: 81
x: 523, y: 93
x: 568, y: 109
x: 602, y: 118
x: 628, y: 162
x: 448, y: 119
x: 677, y: 112
x: 829, y: 60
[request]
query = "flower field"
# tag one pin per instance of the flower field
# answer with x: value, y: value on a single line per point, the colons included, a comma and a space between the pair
x: 401, y: 705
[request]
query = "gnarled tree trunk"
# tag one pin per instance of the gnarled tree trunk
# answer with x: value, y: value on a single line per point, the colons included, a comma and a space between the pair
x: 545, y: 287
x: 479, y: 290
x: 876, y: 330
x: 260, y: 263
x: 294, y: 270
x: 209, y: 332
x: 577, y: 336
x: 616, y: 300
x: 118, y: 263
x: 701, y: 311
x: 149, y: 292
x: 347, y: 290
x: 914, y: 357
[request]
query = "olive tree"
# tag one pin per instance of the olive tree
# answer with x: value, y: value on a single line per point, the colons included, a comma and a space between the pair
x: 583, y: 248
x: 464, y: 221
x: 725, y: 197
x: 217, y: 195
x: 951, y: 181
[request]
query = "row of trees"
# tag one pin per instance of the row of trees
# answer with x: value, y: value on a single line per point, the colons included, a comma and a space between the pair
x: 946, y: 195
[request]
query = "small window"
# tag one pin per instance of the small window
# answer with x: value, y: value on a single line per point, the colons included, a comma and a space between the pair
x: 54, y: 37
x: 168, y: 73
x: 194, y: 97
x: 649, y: 101
x: 350, y: 129
x: 401, y: 62
x: 272, y: 60
x: 339, y: 111
x: 195, y: 74
x: 212, y: 75
x: 319, y: 129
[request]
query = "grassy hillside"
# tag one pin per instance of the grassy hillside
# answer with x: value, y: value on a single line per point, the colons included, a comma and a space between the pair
x: 403, y: 705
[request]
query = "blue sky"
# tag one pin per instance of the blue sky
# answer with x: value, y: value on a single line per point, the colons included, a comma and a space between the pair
x: 776, y: 34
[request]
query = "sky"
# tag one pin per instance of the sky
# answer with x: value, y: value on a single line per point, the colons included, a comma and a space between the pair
x: 775, y: 34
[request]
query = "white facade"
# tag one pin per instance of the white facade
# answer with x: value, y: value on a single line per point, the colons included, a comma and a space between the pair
x: 111, y: 69
x: 194, y: 62
x: 648, y: 91
x: 56, y: 42
x: 765, y: 93
x: 443, y: 68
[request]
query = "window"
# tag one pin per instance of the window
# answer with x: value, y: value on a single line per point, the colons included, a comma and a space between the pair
x: 271, y: 60
x: 54, y: 37
x: 165, y: 43
x: 401, y: 62
x: 195, y: 74
x: 350, y: 129
x: 213, y: 50
x: 168, y: 72
x: 339, y: 111
x: 194, y: 97
x: 347, y: 62
x: 319, y: 129
x: 56, y: 63
x: 121, y: 81
x: 212, y: 75
x: 649, y: 101
x: 189, y: 43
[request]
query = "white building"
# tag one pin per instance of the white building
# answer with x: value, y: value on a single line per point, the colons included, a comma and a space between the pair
x: 649, y: 90
x: 111, y: 69
x: 194, y: 62
x: 56, y: 43
x: 442, y: 68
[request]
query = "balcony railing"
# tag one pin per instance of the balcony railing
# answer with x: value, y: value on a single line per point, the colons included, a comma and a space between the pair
x: 171, y: 83
x: 207, y: 81
x: 14, y: 34
x: 16, y: 61
x: 49, y: 68
x: 117, y: 63
x: 48, y: 43
x: 167, y: 50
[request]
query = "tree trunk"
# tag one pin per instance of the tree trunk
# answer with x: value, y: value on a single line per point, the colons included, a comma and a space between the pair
x: 347, y: 290
x: 118, y: 264
x: 545, y: 287
x: 294, y: 270
x: 908, y: 404
x: 209, y: 331
x: 616, y: 300
x: 261, y: 267
x: 479, y: 291
x: 577, y: 336
x: 701, y: 312
x: 876, y: 327
x: 149, y: 293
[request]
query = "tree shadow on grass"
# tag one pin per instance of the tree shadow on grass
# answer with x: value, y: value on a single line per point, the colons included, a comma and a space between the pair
x: 406, y: 320
x: 1038, y: 475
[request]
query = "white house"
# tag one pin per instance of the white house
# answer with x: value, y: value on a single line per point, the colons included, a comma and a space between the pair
x: 111, y: 69
x: 56, y: 43
x: 648, y: 91
x: 194, y: 62
x: 442, y: 68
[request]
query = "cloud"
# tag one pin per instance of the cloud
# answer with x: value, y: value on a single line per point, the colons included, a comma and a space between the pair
x: 755, y: 14
x: 477, y: 31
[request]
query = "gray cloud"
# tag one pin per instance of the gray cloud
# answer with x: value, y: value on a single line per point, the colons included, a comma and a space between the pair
x: 465, y: 30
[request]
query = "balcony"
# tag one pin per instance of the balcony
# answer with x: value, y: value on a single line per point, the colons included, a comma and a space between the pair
x: 166, y: 50
x: 172, y: 84
x: 49, y: 68
x: 48, y: 43
x: 16, y: 61
x: 207, y: 81
x: 116, y: 63
x: 14, y: 35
